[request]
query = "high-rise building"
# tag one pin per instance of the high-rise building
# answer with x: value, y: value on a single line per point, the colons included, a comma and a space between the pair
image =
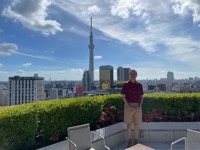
x: 86, y: 81
x: 25, y: 89
x: 123, y: 74
x: 126, y: 74
x: 91, y: 58
x: 106, y: 77
x: 170, y: 76
x: 120, y: 74
x: 3, y: 96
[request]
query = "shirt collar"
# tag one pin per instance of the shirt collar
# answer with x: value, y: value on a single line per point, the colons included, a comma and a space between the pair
x: 132, y: 82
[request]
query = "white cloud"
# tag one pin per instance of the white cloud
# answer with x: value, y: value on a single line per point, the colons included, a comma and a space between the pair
x: 185, y: 7
x: 184, y: 49
x: 93, y: 9
x: 78, y: 31
x: 3, y: 72
x: 27, y: 64
x: 55, y: 59
x: 125, y: 8
x: 122, y: 8
x: 134, y: 29
x: 32, y: 14
x: 1, y: 65
x: 20, y: 71
x: 77, y: 70
x: 7, y: 49
x: 144, y: 9
x: 146, y: 73
x: 72, y: 74
x: 97, y: 57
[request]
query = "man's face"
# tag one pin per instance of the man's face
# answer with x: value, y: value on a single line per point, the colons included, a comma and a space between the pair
x: 133, y: 75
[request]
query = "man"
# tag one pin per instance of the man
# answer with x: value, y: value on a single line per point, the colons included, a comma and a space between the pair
x: 132, y: 95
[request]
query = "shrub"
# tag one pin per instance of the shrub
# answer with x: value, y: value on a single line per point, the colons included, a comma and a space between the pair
x: 57, y: 115
x: 18, y: 126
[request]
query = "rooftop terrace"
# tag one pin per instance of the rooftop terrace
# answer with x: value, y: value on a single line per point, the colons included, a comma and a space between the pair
x: 156, y: 135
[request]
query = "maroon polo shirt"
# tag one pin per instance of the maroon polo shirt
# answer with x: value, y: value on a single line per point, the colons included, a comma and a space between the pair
x: 132, y: 91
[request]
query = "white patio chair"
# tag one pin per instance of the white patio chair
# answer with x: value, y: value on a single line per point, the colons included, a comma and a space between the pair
x: 79, y: 138
x: 192, y: 140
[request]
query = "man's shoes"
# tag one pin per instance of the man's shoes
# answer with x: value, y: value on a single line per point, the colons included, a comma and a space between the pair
x: 135, y: 141
x: 129, y: 143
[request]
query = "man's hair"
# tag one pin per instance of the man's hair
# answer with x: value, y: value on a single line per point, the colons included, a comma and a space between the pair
x: 132, y: 70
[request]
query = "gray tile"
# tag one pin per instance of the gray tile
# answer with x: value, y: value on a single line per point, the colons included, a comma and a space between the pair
x: 160, y: 136
x: 156, y: 146
x: 144, y: 136
x: 179, y: 134
x: 198, y: 125
x: 41, y: 148
x: 120, y: 147
x: 160, y: 125
x: 163, y: 145
x: 184, y: 125
x: 144, y: 126
x: 115, y: 140
x: 110, y: 130
x: 58, y: 146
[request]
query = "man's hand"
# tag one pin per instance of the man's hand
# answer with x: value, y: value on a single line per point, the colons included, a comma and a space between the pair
x: 134, y: 108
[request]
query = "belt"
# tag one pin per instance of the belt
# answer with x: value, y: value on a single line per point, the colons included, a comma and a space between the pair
x: 134, y: 104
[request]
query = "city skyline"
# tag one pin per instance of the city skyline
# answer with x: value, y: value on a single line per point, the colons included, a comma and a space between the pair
x: 51, y: 38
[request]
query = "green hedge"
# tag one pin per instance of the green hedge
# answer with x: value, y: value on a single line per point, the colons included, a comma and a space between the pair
x: 18, y: 126
x: 49, y: 120
x: 179, y: 102
x: 57, y: 115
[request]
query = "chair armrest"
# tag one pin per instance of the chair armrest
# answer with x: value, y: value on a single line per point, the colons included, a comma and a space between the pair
x: 71, y: 142
x: 102, y: 139
x: 98, y: 135
x: 183, y: 138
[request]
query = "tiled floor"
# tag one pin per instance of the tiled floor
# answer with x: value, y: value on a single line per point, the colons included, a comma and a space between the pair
x: 156, y: 146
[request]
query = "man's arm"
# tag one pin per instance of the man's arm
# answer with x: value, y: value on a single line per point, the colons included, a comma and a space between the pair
x: 141, y: 96
x: 141, y: 102
x: 124, y: 99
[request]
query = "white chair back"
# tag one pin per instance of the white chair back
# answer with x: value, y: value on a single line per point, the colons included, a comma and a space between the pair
x: 193, y: 140
x: 80, y: 135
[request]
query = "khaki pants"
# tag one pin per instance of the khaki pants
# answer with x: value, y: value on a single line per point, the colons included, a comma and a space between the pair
x: 132, y: 116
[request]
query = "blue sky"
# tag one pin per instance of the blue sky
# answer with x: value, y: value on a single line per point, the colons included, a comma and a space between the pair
x: 51, y: 37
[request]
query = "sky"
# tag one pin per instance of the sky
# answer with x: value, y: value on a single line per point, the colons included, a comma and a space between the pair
x: 51, y: 37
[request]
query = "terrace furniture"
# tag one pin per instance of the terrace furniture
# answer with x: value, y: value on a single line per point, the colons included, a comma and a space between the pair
x: 139, y: 147
x: 192, y: 140
x: 79, y: 138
